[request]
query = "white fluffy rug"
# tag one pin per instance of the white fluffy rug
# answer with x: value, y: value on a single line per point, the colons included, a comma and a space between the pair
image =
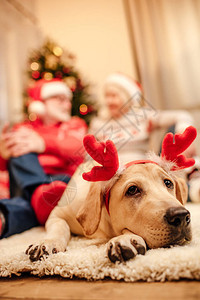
x: 84, y: 259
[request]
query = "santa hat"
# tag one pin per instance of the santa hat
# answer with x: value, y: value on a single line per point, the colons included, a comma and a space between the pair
x: 124, y: 83
x: 44, y: 89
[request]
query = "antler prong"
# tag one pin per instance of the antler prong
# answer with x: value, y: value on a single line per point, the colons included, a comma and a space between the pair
x: 103, y: 153
x: 174, y: 146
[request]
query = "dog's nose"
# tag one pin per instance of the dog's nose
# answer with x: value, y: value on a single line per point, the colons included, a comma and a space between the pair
x: 177, y: 216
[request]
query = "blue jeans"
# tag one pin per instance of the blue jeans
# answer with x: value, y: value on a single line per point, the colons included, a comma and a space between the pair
x: 25, y: 174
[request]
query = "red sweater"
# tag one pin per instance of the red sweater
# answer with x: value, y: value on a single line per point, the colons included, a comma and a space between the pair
x: 64, y: 148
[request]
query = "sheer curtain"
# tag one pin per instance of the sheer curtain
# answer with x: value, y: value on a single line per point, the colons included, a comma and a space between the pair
x: 165, y: 36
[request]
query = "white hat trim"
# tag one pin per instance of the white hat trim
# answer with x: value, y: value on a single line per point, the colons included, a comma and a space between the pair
x: 55, y: 88
x: 125, y: 83
x: 37, y: 107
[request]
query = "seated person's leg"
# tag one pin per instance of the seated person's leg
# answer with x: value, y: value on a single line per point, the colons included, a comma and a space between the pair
x: 25, y: 174
x: 45, y: 198
x: 16, y: 216
x: 27, y: 177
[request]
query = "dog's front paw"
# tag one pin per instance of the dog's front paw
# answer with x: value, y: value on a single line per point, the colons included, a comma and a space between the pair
x: 37, y: 251
x: 125, y: 247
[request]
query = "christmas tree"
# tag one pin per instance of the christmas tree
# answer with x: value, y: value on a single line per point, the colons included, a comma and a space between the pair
x: 51, y: 61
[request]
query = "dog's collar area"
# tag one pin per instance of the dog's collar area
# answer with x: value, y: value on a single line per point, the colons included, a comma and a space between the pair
x: 134, y: 162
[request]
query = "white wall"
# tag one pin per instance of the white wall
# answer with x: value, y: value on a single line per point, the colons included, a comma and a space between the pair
x: 94, y: 30
x: 18, y: 34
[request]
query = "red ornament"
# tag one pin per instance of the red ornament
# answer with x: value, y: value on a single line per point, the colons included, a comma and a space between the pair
x: 35, y: 74
x: 59, y: 75
x: 90, y: 109
x: 66, y: 70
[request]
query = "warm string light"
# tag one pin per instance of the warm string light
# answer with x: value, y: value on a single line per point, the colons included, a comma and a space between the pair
x: 53, y: 62
x: 83, y: 109
x: 32, y: 117
x: 48, y: 76
x: 57, y: 51
x: 35, y: 66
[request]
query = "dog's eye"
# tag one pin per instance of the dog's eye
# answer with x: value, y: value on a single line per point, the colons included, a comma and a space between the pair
x: 133, y: 191
x: 169, y: 184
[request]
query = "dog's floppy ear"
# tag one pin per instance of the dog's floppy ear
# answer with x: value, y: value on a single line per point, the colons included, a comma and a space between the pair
x: 90, y: 213
x: 181, y: 190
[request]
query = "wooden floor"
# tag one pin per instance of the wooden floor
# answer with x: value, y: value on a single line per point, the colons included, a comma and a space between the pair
x: 28, y: 287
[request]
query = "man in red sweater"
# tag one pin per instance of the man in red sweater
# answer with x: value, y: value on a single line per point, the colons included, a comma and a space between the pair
x: 41, y: 156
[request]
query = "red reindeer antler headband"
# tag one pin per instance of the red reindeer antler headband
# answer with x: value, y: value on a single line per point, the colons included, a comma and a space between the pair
x: 172, y: 149
x: 106, y: 155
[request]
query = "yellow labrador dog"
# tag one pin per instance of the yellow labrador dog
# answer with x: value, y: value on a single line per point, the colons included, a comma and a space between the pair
x: 144, y: 208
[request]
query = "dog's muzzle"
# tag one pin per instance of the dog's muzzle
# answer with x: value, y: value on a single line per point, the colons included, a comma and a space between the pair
x: 178, y: 219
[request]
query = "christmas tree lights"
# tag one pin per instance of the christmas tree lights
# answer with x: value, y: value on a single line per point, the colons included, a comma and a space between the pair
x: 52, y: 61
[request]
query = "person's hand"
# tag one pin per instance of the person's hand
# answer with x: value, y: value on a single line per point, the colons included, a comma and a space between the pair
x: 23, y: 141
x: 4, y: 138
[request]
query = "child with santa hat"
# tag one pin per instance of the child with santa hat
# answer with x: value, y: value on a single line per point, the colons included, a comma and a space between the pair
x: 41, y: 156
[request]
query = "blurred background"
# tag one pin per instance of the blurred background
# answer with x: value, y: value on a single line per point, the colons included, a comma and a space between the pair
x: 155, y: 42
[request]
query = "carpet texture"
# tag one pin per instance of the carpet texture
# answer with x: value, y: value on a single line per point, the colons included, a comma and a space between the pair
x: 87, y: 259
